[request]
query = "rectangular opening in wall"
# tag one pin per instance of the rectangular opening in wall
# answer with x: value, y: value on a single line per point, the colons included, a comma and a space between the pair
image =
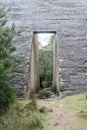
x: 46, y: 41
x: 44, y: 67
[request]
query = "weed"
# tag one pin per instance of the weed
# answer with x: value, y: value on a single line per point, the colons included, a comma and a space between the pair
x: 15, y: 119
x: 83, y: 115
x: 35, y: 121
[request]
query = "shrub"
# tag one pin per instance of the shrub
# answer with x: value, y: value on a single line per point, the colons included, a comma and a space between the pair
x: 8, y: 63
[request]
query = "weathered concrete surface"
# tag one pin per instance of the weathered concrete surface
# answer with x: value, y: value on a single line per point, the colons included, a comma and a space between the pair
x: 34, y: 83
x: 69, y: 19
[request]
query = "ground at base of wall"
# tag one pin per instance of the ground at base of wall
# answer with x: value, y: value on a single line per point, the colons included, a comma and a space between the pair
x: 46, y: 93
x: 69, y: 113
x: 66, y: 113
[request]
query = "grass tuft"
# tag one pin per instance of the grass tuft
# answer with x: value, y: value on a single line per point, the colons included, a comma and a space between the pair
x: 15, y: 119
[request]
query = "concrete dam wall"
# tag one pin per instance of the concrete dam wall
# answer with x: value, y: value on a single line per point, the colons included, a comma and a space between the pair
x: 68, y: 18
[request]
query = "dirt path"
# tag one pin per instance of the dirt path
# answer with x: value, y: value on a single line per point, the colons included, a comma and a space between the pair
x: 60, y: 118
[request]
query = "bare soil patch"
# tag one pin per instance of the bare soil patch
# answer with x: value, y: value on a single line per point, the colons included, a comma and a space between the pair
x: 60, y: 118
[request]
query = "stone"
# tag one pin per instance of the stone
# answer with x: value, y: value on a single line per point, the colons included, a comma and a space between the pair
x: 69, y: 19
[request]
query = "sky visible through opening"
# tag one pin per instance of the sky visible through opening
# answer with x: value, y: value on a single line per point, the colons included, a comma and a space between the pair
x: 45, y: 41
x: 43, y: 38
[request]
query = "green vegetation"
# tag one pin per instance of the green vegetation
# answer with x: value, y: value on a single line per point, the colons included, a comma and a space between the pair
x: 46, y: 63
x: 8, y: 62
x: 83, y: 115
x: 14, y: 115
x: 21, y: 116
x: 76, y: 103
x: 25, y: 115
x: 77, y: 107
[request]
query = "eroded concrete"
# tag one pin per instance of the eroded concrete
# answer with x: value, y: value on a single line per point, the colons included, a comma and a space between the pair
x: 69, y: 19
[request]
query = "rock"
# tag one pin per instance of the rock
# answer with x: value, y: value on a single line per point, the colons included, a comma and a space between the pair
x: 44, y: 109
x: 56, y: 123
x: 46, y: 93
x: 83, y: 111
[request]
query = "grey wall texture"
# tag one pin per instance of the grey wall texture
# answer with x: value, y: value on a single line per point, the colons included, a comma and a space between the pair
x: 69, y: 19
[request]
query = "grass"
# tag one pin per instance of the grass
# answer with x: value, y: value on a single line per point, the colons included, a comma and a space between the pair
x: 83, y: 115
x: 21, y: 116
x: 18, y: 118
x: 76, y: 103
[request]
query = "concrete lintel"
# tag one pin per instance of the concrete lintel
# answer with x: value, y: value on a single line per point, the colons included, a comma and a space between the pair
x: 36, y: 32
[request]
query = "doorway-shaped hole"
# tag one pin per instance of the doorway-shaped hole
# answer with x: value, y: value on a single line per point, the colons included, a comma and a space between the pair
x: 44, y: 71
x: 46, y: 41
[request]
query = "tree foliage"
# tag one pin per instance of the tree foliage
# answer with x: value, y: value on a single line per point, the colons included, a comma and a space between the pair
x: 8, y: 63
x: 46, y: 62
